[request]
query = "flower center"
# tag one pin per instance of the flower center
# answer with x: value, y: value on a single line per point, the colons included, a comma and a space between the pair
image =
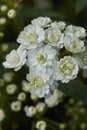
x: 75, y: 44
x: 37, y: 81
x: 40, y: 58
x: 66, y: 67
x: 54, y: 37
x: 31, y: 36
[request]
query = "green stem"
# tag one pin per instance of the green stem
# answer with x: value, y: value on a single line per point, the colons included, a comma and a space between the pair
x: 33, y: 126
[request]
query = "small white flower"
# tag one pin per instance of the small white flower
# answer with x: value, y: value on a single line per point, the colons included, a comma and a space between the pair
x: 58, y: 25
x: 66, y: 69
x: 82, y: 59
x: 25, y: 86
x: 40, y: 106
x: 11, y: 88
x: 54, y: 37
x: 16, y: 106
x: 41, y: 56
x: 77, y: 31
x: 41, y: 21
x: 53, y: 100
x: 30, y: 111
x: 74, y: 45
x: 41, y: 125
x: 31, y: 37
x: 38, y: 84
x: 2, y: 114
x: 16, y: 59
x: 21, y: 96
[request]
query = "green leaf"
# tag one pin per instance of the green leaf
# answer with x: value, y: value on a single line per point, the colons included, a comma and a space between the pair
x: 76, y: 89
x: 80, y: 5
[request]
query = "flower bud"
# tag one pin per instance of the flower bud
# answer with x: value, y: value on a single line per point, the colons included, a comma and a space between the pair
x: 1, y: 34
x: 22, y: 96
x: 30, y: 111
x: 4, y: 8
x: 41, y: 125
x: 2, y: 21
x: 2, y: 115
x: 4, y: 47
x: 11, y: 88
x: 16, y: 106
x: 40, y: 106
x: 11, y: 13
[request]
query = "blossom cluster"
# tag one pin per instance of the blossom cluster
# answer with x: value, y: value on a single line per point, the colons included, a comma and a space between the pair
x: 53, y: 51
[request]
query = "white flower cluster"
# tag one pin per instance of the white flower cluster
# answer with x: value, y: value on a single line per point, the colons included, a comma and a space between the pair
x: 52, y: 51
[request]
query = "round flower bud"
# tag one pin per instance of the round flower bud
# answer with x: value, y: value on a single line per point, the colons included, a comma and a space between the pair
x: 2, y: 115
x: 4, y: 8
x: 41, y: 125
x: 33, y: 97
x: 11, y: 13
x: 11, y: 88
x: 62, y: 126
x: 2, y: 21
x: 1, y: 34
x: 83, y: 126
x: 22, y: 96
x: 40, y: 107
x: 25, y: 86
x: 8, y: 76
x: 4, y: 47
x: 30, y: 111
x: 16, y: 106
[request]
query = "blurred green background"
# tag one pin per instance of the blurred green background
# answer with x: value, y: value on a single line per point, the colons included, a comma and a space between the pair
x: 70, y: 114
